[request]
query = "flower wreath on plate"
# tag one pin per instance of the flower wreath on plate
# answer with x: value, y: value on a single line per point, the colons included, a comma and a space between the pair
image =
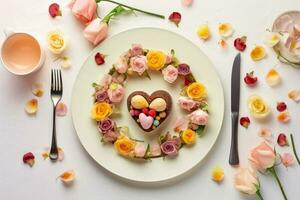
x: 110, y: 92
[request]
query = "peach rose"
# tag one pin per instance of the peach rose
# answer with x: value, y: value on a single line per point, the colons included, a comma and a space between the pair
x: 170, y: 73
x: 139, y: 64
x: 199, y: 117
x: 121, y: 65
x: 96, y: 31
x: 187, y: 103
x: 262, y: 157
x: 136, y: 50
x: 83, y: 10
x: 246, y: 181
x: 115, y: 92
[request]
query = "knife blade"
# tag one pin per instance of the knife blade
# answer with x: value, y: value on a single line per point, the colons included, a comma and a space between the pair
x: 235, y: 108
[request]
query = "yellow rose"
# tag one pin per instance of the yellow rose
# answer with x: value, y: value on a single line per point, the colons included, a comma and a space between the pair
x: 217, y: 174
x: 124, y: 146
x: 203, y: 32
x: 258, y: 107
x: 56, y: 42
x: 156, y: 60
x: 196, y: 90
x: 188, y: 136
x: 101, y: 110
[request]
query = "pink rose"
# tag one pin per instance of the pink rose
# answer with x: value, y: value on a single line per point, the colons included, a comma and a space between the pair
x: 136, y: 50
x: 139, y: 64
x: 139, y: 150
x: 121, y: 65
x: 83, y: 10
x: 170, y: 73
x: 246, y: 181
x: 119, y: 78
x: 155, y: 150
x: 110, y: 136
x: 169, y: 148
x: 96, y: 31
x: 106, y: 81
x: 187, y: 103
x: 199, y: 117
x: 181, y: 124
x: 169, y: 59
x: 262, y: 157
x: 116, y: 94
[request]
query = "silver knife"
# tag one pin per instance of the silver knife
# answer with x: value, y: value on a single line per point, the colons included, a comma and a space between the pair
x: 235, y: 108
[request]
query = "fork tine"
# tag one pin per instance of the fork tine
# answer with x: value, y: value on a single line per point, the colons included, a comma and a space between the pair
x: 60, y: 82
x: 56, y: 80
x: 52, y: 79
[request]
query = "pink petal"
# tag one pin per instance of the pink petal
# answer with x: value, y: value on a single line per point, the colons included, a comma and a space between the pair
x: 287, y: 159
x: 186, y: 2
x: 61, y: 109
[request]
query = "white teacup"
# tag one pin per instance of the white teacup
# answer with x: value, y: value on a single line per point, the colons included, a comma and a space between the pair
x: 21, y: 53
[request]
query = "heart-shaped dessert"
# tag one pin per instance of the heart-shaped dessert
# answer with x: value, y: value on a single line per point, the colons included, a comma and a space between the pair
x: 149, y: 111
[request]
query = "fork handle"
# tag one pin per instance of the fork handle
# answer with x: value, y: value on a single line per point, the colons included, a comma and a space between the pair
x: 54, y: 150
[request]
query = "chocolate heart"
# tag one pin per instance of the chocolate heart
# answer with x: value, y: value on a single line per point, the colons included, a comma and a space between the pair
x: 146, y: 109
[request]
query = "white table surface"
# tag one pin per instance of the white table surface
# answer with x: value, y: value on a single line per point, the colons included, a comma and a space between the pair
x: 21, y: 133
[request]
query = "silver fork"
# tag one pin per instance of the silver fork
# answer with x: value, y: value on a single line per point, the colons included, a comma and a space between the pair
x: 56, y: 94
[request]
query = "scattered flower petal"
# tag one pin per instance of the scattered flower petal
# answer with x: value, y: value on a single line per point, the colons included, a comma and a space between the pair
x: 65, y: 62
x: 272, y: 39
x: 99, y: 58
x: 61, y: 109
x: 61, y: 154
x: 283, y: 117
x: 250, y: 79
x: 67, y: 177
x: 186, y: 2
x: 240, y: 43
x: 225, y: 30
x: 203, y: 32
x: 287, y: 159
x: 54, y: 10
x: 265, y: 133
x: 45, y: 154
x: 217, y: 174
x: 273, y: 78
x: 28, y: 158
x: 223, y: 43
x: 258, y: 53
x: 281, y: 106
x: 31, y: 106
x: 294, y: 95
x: 37, y: 89
x: 282, y: 140
x: 245, y: 121
x: 175, y: 17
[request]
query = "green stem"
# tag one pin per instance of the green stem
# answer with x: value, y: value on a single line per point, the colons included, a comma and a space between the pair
x: 132, y: 8
x: 294, y: 149
x: 258, y: 194
x: 274, y: 174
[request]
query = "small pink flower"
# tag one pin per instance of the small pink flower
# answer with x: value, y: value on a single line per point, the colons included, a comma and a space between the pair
x: 187, y: 103
x: 139, y: 150
x: 181, y: 124
x: 155, y: 150
x: 186, y: 2
x: 106, y: 81
x: 287, y: 159
x: 106, y: 125
x: 121, y: 65
x: 136, y: 50
x: 169, y: 59
x: 96, y: 31
x: 116, y: 94
x: 139, y: 64
x: 83, y: 10
x: 169, y: 147
x: 119, y: 78
x: 110, y: 136
x: 101, y: 96
x: 199, y: 117
x: 170, y: 73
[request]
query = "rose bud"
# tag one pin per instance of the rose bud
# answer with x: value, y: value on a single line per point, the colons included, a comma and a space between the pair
x: 240, y: 43
x: 28, y: 158
x: 281, y: 106
x: 245, y: 121
x: 175, y: 17
x: 99, y: 58
x: 250, y: 79
x: 281, y: 140
x: 54, y: 10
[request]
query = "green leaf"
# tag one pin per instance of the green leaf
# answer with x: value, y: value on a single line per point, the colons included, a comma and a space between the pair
x: 200, y: 130
x: 204, y: 106
x: 147, y: 151
x: 112, y: 71
x: 95, y: 84
x: 146, y: 74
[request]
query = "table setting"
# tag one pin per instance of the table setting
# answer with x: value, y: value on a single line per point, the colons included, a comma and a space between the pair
x: 122, y: 99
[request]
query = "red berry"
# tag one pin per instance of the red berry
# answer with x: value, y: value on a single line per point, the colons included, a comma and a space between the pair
x: 145, y: 111
x: 250, y: 79
x: 245, y: 121
x: 99, y: 58
x: 240, y: 43
x: 175, y: 17
x: 281, y: 106
x: 281, y: 140
x: 152, y: 113
x: 136, y: 112
x: 54, y: 10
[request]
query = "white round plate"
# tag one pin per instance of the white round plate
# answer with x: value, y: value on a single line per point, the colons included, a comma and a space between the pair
x: 158, y: 169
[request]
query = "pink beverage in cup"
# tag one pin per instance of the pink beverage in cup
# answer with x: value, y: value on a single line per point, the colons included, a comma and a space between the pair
x: 21, y: 53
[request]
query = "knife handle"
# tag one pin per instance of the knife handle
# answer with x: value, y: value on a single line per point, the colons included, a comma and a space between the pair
x: 234, y: 153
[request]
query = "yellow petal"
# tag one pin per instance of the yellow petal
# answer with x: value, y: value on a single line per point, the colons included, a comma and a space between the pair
x: 283, y: 117
x: 203, y: 32
x: 258, y: 53
x: 225, y: 30
x: 45, y: 154
x: 272, y: 39
x: 65, y: 62
x: 37, y: 89
x: 273, y: 78
x: 67, y: 176
x: 217, y: 174
x: 294, y: 95
x: 31, y: 106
